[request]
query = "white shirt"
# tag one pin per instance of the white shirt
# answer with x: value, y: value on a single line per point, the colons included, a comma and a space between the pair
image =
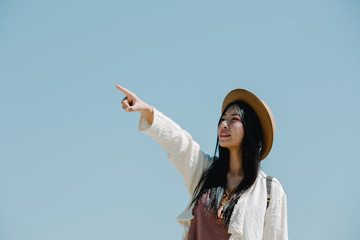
x: 250, y: 219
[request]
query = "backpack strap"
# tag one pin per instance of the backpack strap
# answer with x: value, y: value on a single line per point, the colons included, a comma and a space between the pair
x: 268, y: 189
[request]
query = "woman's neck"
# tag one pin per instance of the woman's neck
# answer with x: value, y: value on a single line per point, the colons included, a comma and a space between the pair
x: 235, y: 174
x: 235, y: 164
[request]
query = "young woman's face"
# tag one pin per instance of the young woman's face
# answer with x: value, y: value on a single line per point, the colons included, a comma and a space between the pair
x: 230, y: 129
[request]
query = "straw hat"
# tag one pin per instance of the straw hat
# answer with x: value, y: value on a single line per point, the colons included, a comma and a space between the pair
x: 261, y: 109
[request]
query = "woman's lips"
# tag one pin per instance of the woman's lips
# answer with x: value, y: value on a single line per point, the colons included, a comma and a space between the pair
x: 224, y: 134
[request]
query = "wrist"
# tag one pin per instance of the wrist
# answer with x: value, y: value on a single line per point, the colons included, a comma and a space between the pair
x: 148, y: 113
x: 147, y: 110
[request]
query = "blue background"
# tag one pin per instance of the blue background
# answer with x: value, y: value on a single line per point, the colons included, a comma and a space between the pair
x: 73, y: 164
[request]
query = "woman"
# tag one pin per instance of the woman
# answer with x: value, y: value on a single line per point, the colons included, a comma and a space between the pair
x: 232, y: 198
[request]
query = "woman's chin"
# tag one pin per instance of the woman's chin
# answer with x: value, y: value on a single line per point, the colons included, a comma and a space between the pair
x: 224, y: 145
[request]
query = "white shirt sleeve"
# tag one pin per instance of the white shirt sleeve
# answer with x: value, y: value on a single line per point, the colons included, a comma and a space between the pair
x: 182, y: 150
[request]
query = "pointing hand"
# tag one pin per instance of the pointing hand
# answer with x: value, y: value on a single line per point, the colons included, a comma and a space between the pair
x: 132, y: 103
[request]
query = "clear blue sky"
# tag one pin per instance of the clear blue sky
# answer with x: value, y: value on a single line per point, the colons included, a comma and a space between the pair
x: 73, y: 164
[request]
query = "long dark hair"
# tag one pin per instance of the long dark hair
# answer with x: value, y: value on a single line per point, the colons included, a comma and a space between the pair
x: 214, y: 181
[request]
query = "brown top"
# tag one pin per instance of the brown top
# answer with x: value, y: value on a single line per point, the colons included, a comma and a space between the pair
x: 206, y: 226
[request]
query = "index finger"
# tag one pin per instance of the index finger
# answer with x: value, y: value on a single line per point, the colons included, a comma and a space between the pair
x: 124, y: 90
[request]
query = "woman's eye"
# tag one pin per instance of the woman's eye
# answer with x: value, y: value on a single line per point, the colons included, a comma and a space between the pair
x: 236, y: 119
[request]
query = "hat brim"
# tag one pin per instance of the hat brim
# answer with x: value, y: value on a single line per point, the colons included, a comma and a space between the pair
x: 261, y: 109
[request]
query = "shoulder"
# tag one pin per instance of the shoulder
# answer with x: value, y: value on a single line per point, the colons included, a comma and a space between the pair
x: 276, y: 187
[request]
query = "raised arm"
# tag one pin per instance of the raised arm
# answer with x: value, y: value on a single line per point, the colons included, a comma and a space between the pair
x: 182, y: 150
x: 132, y: 103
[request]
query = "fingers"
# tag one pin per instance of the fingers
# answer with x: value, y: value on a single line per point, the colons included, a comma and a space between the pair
x: 128, y: 109
x: 124, y: 90
x: 129, y: 105
x: 130, y: 102
x: 126, y: 104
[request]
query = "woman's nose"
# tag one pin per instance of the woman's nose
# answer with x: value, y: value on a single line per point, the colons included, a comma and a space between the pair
x: 224, y: 124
